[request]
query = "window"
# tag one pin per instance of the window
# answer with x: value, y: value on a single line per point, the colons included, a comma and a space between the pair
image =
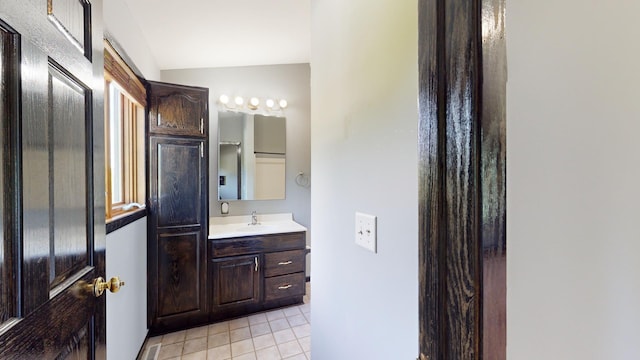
x: 124, y: 137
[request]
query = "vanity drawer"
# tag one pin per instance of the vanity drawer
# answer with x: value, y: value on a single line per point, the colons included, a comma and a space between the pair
x: 284, y: 286
x: 283, y: 262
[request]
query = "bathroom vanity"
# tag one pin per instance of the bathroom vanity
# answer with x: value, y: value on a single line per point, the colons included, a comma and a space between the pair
x: 255, y: 267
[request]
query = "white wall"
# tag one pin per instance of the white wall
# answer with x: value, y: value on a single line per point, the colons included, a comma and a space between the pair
x: 127, y: 309
x: 120, y: 24
x: 364, y: 143
x: 573, y: 180
x: 287, y: 81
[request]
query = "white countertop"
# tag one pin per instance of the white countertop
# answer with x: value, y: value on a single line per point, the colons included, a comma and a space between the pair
x: 236, y: 226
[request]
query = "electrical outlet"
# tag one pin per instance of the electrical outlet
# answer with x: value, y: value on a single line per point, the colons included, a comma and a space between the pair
x: 366, y: 232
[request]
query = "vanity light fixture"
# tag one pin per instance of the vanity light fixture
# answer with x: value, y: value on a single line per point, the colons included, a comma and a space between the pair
x: 253, y: 103
x: 237, y: 103
x: 270, y: 104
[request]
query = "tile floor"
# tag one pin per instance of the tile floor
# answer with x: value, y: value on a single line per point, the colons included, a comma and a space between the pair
x: 276, y: 334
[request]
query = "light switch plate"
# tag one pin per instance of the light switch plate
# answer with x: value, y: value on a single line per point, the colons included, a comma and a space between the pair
x: 366, y: 231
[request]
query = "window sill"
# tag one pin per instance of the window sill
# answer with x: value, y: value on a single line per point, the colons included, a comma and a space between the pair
x: 123, y: 220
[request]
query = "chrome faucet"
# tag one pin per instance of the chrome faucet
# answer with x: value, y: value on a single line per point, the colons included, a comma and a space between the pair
x: 254, y: 218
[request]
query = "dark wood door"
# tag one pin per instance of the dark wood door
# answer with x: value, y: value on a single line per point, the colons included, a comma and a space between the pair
x: 178, y: 163
x: 52, y: 221
x: 236, y: 281
x: 462, y: 169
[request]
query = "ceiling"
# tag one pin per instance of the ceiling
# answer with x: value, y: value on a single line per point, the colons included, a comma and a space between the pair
x: 219, y: 33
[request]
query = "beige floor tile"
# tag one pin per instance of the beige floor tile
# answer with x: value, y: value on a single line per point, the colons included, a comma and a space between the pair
x: 169, y: 351
x: 257, y: 319
x: 260, y: 329
x: 174, y: 337
x: 218, y: 328
x: 290, y: 348
x: 308, y: 353
x: 198, y: 332
x: 305, y: 343
x: 241, y: 347
x: 238, y: 323
x: 219, y: 353
x: 283, y: 336
x: 219, y: 340
x: 275, y: 315
x: 248, y: 356
x: 280, y: 324
x: 270, y: 353
x: 194, y: 345
x: 308, y: 317
x: 305, y: 308
x: 154, y: 340
x: 200, y: 355
x: 240, y: 334
x: 297, y: 320
x: 302, y: 331
x: 263, y: 341
x: 291, y: 311
x: 300, y: 356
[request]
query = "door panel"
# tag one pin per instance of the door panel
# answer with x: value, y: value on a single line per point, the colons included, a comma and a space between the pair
x: 52, y: 211
x: 179, y: 269
x: 68, y: 150
x: 178, y: 181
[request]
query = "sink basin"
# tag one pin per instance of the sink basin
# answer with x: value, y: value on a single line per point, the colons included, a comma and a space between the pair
x: 238, y: 226
x: 255, y: 228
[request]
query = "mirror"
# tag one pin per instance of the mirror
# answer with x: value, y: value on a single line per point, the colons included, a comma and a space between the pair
x: 251, y: 156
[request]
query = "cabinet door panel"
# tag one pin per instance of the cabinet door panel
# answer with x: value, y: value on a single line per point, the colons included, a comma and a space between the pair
x: 179, y: 269
x: 236, y: 281
x: 178, y: 109
x: 178, y: 181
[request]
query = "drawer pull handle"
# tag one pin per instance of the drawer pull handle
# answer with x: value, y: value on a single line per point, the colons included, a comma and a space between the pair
x: 255, y: 259
x: 285, y: 262
x: 284, y: 287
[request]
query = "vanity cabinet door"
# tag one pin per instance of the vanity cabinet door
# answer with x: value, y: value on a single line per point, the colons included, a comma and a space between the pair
x: 236, y: 281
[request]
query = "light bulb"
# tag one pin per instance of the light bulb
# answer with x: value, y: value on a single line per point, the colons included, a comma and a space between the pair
x: 253, y: 103
x: 283, y: 103
x: 270, y: 103
x: 239, y: 100
x: 224, y: 99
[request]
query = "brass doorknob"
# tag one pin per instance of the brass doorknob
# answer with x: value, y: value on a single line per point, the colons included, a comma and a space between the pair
x: 99, y: 285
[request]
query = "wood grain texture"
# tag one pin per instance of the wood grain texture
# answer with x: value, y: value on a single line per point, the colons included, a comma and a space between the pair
x: 284, y: 262
x: 60, y: 323
x: 117, y: 69
x: 9, y: 180
x: 178, y: 110
x: 177, y: 227
x: 493, y: 177
x: 179, y: 273
x: 284, y: 286
x: 236, y: 281
x: 461, y: 155
x: 256, y: 244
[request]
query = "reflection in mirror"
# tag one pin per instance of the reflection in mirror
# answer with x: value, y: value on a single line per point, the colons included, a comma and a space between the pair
x: 251, y: 156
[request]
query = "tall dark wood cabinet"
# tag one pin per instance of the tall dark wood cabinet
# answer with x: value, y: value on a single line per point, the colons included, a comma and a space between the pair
x: 177, y: 130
